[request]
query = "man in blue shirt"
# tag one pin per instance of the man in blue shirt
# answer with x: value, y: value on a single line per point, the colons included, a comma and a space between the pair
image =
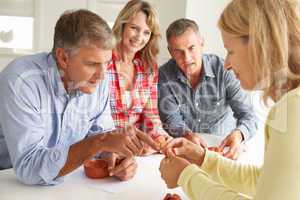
x: 53, y: 106
x: 197, y: 95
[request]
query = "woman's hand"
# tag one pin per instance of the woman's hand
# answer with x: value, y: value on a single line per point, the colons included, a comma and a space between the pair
x: 186, y: 149
x: 171, y: 168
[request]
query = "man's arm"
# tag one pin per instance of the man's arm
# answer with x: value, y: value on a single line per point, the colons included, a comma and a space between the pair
x: 25, y: 132
x: 240, y: 103
x: 168, y: 107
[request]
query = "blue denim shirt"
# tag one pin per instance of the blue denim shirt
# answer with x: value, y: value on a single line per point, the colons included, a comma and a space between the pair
x: 39, y: 120
x: 217, y: 105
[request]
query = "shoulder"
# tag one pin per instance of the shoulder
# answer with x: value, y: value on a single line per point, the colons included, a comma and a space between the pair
x: 214, y: 62
x: 27, y: 72
x: 286, y: 112
x: 32, y: 64
x: 168, y: 69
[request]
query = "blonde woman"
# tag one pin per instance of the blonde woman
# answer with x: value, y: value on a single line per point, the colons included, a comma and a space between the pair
x: 133, y: 76
x: 262, y: 38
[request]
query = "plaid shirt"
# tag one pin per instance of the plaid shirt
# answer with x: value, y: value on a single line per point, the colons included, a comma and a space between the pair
x: 143, y: 112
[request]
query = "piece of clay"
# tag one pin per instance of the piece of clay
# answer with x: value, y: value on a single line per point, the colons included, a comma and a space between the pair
x: 96, y: 168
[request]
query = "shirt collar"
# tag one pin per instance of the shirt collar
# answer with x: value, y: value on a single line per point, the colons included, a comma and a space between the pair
x: 207, y: 68
x: 54, y: 76
x: 137, y: 61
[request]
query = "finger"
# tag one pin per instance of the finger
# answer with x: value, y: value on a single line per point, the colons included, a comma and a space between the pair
x: 134, y: 149
x: 168, y: 138
x: 177, y: 142
x: 125, y: 151
x: 231, y: 152
x: 223, y: 144
x: 130, y: 131
x: 123, y: 165
x: 137, y: 142
x: 170, y: 153
x: 147, y: 139
x: 180, y: 151
x: 203, y: 143
x: 128, y: 173
x: 171, y: 144
x: 111, y: 161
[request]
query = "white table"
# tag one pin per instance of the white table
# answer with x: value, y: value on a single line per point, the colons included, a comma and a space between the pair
x: 146, y: 185
x: 253, y: 150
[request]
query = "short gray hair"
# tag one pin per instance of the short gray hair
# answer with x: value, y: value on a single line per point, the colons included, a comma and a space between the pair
x: 77, y: 28
x: 179, y: 26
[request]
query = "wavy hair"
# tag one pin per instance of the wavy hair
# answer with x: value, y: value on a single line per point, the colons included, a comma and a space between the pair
x: 150, y: 51
x: 272, y: 30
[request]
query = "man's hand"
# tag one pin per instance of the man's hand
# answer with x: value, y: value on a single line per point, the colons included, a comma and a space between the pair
x: 196, y: 138
x: 233, y: 141
x: 127, y: 142
x: 186, y: 149
x: 171, y: 168
x: 122, y: 168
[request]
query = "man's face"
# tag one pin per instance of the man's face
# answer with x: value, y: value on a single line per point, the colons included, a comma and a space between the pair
x: 85, y: 68
x: 186, y: 50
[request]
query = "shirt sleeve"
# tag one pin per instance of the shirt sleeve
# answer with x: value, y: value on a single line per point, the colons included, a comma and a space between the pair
x: 23, y: 129
x: 219, y: 178
x: 241, y: 105
x: 198, y: 185
x: 169, y: 111
x: 238, y: 176
x: 151, y: 120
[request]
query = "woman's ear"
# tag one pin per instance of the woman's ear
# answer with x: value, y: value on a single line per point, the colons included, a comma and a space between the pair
x: 62, y: 58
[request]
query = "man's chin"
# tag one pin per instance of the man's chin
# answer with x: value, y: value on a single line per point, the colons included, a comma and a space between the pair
x: 88, y: 90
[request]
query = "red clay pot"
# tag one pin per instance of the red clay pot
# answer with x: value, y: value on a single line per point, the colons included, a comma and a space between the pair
x: 96, y: 168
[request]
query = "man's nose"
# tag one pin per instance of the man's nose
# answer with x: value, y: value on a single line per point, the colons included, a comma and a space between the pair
x: 187, y: 56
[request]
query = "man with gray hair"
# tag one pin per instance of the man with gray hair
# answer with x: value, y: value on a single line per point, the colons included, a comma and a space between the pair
x: 54, y: 106
x: 197, y: 95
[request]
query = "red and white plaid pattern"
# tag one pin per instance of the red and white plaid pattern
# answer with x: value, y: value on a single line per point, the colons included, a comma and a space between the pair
x: 143, y: 112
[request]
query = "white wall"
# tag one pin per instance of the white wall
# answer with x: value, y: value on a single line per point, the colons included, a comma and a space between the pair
x: 205, y: 13
x: 168, y: 11
x: 48, y: 13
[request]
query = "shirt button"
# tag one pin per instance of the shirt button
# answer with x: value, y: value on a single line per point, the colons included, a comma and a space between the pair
x: 197, y: 104
x: 199, y: 120
x: 218, y: 103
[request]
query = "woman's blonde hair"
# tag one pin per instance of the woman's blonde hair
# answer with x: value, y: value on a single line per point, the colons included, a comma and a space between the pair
x: 272, y: 30
x: 150, y: 51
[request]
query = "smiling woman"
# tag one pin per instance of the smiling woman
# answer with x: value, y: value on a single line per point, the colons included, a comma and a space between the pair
x: 133, y: 70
